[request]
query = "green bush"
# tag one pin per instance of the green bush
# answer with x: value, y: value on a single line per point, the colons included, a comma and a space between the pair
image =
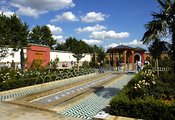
x: 148, y: 109
x: 157, y: 105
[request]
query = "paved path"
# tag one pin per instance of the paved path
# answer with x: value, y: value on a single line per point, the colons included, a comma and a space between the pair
x: 94, y: 103
x: 15, y: 112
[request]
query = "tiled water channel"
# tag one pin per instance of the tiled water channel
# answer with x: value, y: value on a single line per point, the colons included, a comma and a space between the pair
x: 53, y: 97
x: 89, y: 107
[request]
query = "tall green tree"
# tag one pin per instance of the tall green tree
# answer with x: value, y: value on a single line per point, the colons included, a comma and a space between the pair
x: 42, y: 35
x: 60, y: 46
x: 156, y: 48
x: 163, y: 23
x: 100, y: 54
x: 4, y: 35
x: 19, y: 34
x: 78, y: 51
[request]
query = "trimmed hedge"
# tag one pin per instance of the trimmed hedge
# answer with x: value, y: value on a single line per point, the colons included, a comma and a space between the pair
x: 148, y: 109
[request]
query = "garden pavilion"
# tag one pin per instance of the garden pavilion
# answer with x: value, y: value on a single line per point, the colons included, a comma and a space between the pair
x: 127, y: 56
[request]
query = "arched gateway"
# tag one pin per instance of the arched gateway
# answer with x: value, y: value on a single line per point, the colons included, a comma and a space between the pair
x: 125, y: 55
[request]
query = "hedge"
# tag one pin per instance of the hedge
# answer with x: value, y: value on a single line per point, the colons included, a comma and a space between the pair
x: 148, y: 109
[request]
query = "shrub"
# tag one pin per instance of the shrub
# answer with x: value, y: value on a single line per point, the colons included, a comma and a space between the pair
x: 158, y: 104
x: 149, y: 108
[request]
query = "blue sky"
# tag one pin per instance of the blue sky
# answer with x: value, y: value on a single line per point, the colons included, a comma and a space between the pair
x: 106, y: 23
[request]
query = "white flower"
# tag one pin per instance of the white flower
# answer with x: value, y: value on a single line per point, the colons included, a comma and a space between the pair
x: 135, y: 87
x: 153, y: 82
x: 138, y: 86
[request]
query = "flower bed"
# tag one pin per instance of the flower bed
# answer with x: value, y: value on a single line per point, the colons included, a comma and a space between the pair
x: 11, y: 79
x: 147, y: 97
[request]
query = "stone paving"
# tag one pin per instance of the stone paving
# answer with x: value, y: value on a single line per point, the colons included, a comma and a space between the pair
x: 93, y: 104
x: 16, y: 112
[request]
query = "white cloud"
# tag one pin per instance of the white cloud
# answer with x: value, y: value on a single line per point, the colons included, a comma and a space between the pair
x: 133, y: 43
x: 112, y: 45
x: 60, y: 39
x: 93, y: 42
x: 67, y: 16
x: 109, y: 35
x: 27, y: 11
x: 6, y: 12
x: 54, y: 29
x: 38, y: 7
x: 90, y: 28
x: 93, y: 17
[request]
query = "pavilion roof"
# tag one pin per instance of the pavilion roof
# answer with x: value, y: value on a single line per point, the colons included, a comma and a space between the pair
x: 121, y: 48
x: 139, y: 49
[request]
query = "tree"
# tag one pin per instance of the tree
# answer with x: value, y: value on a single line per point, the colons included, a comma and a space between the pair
x: 42, y: 35
x: 60, y: 46
x: 4, y: 35
x: 156, y: 49
x: 93, y: 61
x: 70, y: 43
x: 101, y: 54
x: 78, y: 51
x: 163, y: 23
x: 19, y: 34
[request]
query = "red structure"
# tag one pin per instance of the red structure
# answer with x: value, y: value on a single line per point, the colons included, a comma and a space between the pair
x: 126, y: 55
x: 38, y: 54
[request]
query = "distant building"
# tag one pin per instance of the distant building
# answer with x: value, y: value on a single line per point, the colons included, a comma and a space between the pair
x: 41, y: 53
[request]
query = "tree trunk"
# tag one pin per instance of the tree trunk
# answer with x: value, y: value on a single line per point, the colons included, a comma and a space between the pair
x: 22, y: 60
x: 157, y: 66
x: 78, y: 65
x: 173, y: 45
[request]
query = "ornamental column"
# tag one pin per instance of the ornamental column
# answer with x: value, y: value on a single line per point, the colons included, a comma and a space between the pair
x: 124, y: 60
x: 132, y: 60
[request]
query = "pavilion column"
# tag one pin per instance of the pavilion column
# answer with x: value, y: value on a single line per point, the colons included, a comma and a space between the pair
x: 109, y: 58
x: 132, y: 60
x: 124, y: 53
x: 115, y: 62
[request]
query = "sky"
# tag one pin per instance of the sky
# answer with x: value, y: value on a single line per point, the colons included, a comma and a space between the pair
x: 106, y: 23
